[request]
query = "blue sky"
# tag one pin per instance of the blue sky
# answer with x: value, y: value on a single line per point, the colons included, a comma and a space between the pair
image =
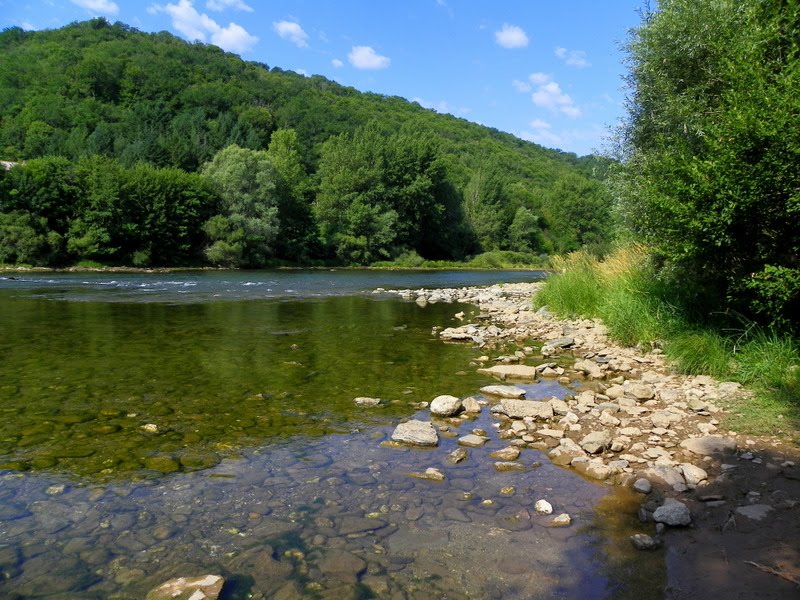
x: 545, y: 70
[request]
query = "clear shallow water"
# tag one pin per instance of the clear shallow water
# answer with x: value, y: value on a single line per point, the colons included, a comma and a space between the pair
x: 260, y: 466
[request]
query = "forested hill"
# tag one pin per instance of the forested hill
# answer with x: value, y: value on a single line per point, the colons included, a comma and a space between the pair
x: 263, y: 163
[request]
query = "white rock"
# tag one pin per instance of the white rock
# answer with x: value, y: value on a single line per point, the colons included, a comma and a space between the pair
x: 693, y: 475
x: 416, y: 433
x: 561, y: 520
x: 543, y: 507
x: 445, y: 406
x: 504, y: 391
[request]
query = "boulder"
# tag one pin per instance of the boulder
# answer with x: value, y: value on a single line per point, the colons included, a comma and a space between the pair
x: 673, y: 513
x: 565, y: 452
x: 692, y: 474
x: 596, y: 442
x: 445, y: 406
x: 640, y: 391
x: 543, y: 507
x: 471, y: 405
x: 669, y: 475
x: 416, y: 433
x: 504, y: 391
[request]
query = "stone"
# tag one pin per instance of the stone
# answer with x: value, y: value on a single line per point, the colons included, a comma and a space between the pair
x: 564, y: 342
x: 365, y: 401
x: 596, y: 442
x: 472, y: 441
x: 562, y: 520
x: 673, y: 513
x: 709, y: 444
x: 471, y: 405
x: 431, y: 474
x: 615, y: 392
x: 504, y: 391
x: 342, y: 565
x: 504, y: 466
x: 640, y: 391
x: 589, y: 368
x: 519, y: 409
x: 642, y: 485
x: 643, y: 541
x: 756, y: 512
x: 565, y: 452
x: 693, y: 475
x: 416, y: 433
x: 543, y: 507
x: 445, y: 406
x: 508, y: 453
x: 351, y: 524
x: 609, y: 420
x: 207, y: 587
x: 595, y: 468
x: 553, y: 433
x: 669, y: 475
x: 560, y: 407
x: 516, y: 372
x: 458, y: 455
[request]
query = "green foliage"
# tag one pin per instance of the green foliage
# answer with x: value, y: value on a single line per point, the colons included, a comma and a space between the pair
x: 245, y: 180
x: 711, y: 174
x: 444, y: 188
x: 639, y: 307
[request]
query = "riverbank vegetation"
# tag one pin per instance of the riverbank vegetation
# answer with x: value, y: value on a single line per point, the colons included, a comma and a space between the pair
x: 146, y: 150
x: 707, y: 185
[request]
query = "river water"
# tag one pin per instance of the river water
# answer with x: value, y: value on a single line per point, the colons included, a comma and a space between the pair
x: 177, y: 424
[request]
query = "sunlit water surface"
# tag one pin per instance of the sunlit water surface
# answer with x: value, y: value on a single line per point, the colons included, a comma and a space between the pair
x: 158, y: 425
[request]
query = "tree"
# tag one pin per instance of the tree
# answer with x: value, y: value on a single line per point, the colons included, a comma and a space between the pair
x: 711, y: 177
x: 245, y: 232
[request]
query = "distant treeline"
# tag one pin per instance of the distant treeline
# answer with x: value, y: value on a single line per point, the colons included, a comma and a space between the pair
x: 144, y: 149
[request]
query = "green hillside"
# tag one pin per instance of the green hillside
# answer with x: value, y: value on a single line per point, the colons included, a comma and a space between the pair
x: 117, y: 130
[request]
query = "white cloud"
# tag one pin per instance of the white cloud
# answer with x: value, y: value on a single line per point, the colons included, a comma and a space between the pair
x: 220, y: 5
x: 539, y: 124
x: 521, y: 86
x: 104, y: 7
x: 573, y: 58
x: 197, y: 26
x: 511, y: 36
x: 549, y: 95
x: 364, y: 57
x: 337, y: 63
x: 289, y: 30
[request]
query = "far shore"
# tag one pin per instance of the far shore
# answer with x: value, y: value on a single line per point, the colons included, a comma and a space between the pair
x: 110, y: 269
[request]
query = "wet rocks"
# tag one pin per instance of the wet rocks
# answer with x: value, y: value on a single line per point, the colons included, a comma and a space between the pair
x: 445, y: 406
x: 506, y: 454
x: 416, y: 433
x: 471, y: 405
x: 543, y: 507
x: 756, y: 512
x: 642, y: 485
x: 562, y: 520
x: 673, y: 513
x: 472, y: 441
x: 431, y: 474
x: 458, y: 455
x: 642, y: 541
x: 366, y: 401
x: 206, y: 587
x: 504, y: 391
x: 342, y: 565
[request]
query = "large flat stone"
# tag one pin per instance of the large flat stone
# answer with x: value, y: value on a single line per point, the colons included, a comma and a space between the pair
x: 504, y: 391
x: 709, y: 444
x: 519, y: 409
x: 416, y: 433
x: 517, y: 372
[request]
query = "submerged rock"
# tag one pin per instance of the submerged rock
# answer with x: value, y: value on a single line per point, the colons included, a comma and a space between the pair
x: 416, y: 433
x: 207, y: 587
x: 472, y: 441
x: 366, y: 401
x: 643, y: 541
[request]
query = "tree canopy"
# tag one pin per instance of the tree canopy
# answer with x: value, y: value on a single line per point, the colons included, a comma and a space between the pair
x: 711, y: 145
x: 295, y: 168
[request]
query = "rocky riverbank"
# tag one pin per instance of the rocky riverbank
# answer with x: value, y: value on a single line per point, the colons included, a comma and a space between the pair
x: 632, y: 421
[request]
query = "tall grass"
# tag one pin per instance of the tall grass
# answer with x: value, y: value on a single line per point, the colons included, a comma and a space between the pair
x: 638, y: 307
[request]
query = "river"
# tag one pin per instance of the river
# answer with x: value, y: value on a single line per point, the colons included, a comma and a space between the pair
x: 177, y: 424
